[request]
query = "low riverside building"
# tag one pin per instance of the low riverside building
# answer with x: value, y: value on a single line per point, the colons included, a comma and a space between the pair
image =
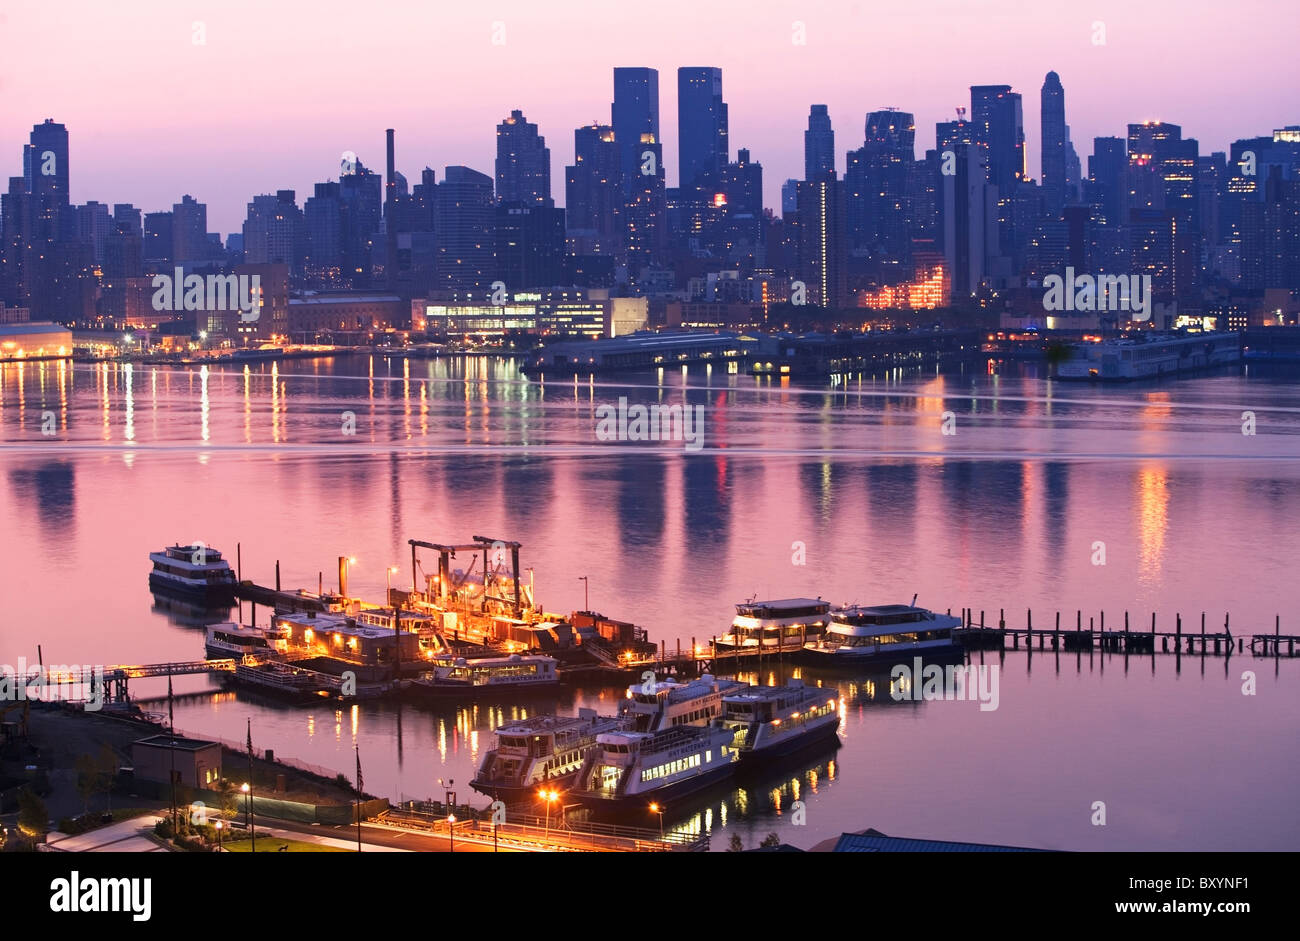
x: 562, y: 312
x: 367, y: 640
x: 313, y: 314
x: 197, y: 763
x: 34, y: 341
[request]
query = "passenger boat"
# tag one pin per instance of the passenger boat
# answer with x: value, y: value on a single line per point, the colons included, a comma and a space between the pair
x: 195, y: 573
x: 859, y: 634
x: 1149, y: 356
x: 776, y: 626
x: 279, y: 679
x: 512, y: 674
x: 240, y: 640
x: 627, y: 771
x: 662, y: 704
x: 768, y: 722
x: 542, y: 751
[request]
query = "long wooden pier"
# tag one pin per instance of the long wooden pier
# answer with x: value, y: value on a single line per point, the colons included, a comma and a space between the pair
x: 1182, y: 640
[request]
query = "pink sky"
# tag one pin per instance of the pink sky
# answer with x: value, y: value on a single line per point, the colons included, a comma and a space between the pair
x: 281, y: 89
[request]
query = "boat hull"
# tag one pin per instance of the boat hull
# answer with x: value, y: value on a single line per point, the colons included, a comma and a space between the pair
x: 208, y: 595
x: 819, y: 737
x: 522, y: 793
x: 892, y: 653
x: 670, y: 796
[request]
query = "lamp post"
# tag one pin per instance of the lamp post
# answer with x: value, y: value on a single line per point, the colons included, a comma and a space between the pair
x: 451, y: 832
x: 549, y: 797
x: 248, y: 813
x: 586, y: 600
x: 389, y: 577
x: 656, y: 809
x: 219, y: 826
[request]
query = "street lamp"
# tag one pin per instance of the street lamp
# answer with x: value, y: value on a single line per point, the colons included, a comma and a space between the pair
x: 550, y: 798
x: 586, y: 600
x: 388, y: 577
x: 248, y: 814
x: 219, y: 827
x: 451, y: 832
x: 656, y: 809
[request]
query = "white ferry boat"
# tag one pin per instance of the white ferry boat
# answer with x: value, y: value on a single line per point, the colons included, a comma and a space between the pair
x: 512, y: 674
x: 859, y: 634
x: 194, y: 573
x: 668, y: 703
x: 543, y: 751
x: 628, y: 771
x: 1149, y: 356
x: 772, y: 721
x: 240, y: 640
x: 773, y: 626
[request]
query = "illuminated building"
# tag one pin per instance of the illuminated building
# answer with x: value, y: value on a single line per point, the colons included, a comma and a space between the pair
x: 927, y: 291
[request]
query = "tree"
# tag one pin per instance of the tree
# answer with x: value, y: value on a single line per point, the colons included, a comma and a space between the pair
x: 229, y: 798
x: 33, y: 816
x: 771, y: 840
x: 736, y: 845
x: 106, y: 763
x: 87, y: 780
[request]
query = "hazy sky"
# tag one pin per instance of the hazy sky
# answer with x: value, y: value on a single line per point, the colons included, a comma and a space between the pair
x: 280, y: 89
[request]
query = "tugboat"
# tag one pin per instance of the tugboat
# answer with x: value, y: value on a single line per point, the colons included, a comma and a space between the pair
x: 195, y: 573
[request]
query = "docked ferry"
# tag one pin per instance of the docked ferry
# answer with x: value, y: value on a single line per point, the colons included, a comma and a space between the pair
x: 628, y: 771
x: 859, y: 634
x: 195, y: 573
x: 769, y: 722
x: 776, y: 626
x: 1150, y: 356
x: 512, y: 674
x: 663, y: 704
x: 240, y: 640
x: 543, y: 751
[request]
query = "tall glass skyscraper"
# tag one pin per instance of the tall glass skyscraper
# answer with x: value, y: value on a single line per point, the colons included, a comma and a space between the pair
x: 523, y: 167
x: 818, y: 145
x: 1053, y: 157
x: 701, y: 127
x: 635, y: 112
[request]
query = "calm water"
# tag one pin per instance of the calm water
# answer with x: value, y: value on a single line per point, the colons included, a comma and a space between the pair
x: 1194, y: 515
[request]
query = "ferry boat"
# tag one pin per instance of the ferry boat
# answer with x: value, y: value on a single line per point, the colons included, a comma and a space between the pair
x: 1149, y: 356
x: 768, y: 722
x: 195, y: 573
x: 859, y: 634
x: 776, y: 626
x: 512, y: 674
x: 669, y: 703
x: 279, y: 679
x: 546, y: 750
x: 627, y: 771
x: 240, y: 640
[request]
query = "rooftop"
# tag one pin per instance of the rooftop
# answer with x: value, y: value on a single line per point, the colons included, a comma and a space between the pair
x: 176, y: 742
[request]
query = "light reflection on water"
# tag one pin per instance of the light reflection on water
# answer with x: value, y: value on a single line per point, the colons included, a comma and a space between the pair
x: 1004, y: 515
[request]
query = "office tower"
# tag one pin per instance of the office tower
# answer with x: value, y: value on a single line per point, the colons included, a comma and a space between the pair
x: 742, y: 185
x: 45, y: 166
x: 1106, y: 191
x: 523, y: 166
x: 789, y: 197
x: 361, y: 205
x: 593, y: 192
x: 1073, y: 172
x: 1270, y: 232
x: 1052, y: 143
x: 999, y: 129
x: 274, y: 232
x: 702, y: 148
x: 645, y: 212
x: 323, y: 219
x: 159, y: 239
x: 423, y: 199
x: 818, y: 145
x: 464, y: 220
x: 1161, y: 176
x: 634, y: 113
x: 189, y: 231
x: 968, y: 219
x: 878, y: 201
x: 127, y: 217
x: 822, y: 251
x: 16, y: 248
x: 1211, y: 176
x: 530, y: 247
x: 93, y: 225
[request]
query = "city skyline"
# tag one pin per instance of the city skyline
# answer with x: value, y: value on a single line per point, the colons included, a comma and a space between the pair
x: 769, y: 82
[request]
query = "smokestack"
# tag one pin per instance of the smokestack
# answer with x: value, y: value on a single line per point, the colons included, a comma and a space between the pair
x: 390, y: 243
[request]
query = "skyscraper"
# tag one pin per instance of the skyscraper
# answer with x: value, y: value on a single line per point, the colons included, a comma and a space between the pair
x: 635, y: 112
x: 1053, y: 153
x: 274, y: 230
x: 464, y: 221
x: 822, y: 251
x: 876, y: 181
x: 189, y: 230
x: 818, y: 145
x: 523, y: 167
x: 593, y: 192
x: 45, y: 166
x: 702, y: 148
x: 999, y: 129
